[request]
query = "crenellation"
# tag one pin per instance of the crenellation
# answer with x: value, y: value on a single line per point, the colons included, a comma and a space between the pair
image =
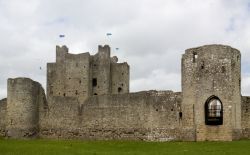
x: 61, y: 52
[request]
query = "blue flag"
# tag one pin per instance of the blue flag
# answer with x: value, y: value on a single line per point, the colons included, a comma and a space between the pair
x: 108, y: 34
x: 61, y: 36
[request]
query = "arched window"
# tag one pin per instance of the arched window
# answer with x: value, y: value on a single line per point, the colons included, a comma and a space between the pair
x: 213, y: 111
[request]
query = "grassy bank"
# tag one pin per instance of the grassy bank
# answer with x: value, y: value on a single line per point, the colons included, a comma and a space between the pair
x: 52, y: 147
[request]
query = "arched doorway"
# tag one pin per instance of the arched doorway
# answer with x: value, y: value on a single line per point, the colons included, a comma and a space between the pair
x: 213, y: 111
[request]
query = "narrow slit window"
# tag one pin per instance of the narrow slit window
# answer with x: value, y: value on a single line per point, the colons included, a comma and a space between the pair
x: 223, y: 69
x: 94, y: 82
x: 195, y: 57
x: 202, y: 65
x: 180, y: 115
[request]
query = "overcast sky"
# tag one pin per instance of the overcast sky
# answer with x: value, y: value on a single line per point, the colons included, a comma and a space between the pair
x: 151, y: 35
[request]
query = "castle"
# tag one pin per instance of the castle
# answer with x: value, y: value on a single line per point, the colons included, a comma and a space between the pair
x: 88, y: 98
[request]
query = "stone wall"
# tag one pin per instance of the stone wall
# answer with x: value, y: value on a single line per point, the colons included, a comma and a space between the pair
x: 61, y: 114
x: 3, y: 107
x: 144, y: 115
x: 245, y: 117
x: 24, y: 98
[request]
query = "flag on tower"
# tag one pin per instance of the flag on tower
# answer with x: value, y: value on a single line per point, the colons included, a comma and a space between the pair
x: 61, y: 36
x: 108, y: 34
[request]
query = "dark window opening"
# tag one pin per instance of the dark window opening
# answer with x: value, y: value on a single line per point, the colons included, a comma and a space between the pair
x: 213, y: 111
x: 119, y: 89
x: 195, y: 56
x: 223, y: 69
x: 76, y: 92
x: 80, y: 81
x: 180, y: 115
x: 172, y: 109
x: 64, y: 94
x: 156, y: 109
x: 95, y: 94
x: 122, y: 73
x: 202, y: 65
x: 94, y: 82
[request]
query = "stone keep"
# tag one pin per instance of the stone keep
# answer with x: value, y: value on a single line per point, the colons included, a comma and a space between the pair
x: 83, y: 75
x: 207, y: 72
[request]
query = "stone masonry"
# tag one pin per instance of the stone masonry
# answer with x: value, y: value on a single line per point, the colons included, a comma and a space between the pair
x: 88, y: 98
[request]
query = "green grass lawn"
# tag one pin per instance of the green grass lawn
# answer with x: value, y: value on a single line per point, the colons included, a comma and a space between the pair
x: 53, y: 147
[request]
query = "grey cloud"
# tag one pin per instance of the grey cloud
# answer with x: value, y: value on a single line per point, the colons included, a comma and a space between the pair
x: 151, y: 35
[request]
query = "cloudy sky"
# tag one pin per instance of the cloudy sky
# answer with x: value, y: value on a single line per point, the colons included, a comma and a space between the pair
x: 151, y: 35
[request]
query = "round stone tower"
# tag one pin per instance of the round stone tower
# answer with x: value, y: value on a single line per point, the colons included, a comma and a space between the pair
x: 22, y: 107
x: 211, y: 86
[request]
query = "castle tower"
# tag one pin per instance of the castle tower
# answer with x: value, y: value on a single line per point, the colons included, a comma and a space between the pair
x: 83, y: 75
x: 24, y: 98
x: 69, y: 75
x: 101, y: 70
x: 211, y: 86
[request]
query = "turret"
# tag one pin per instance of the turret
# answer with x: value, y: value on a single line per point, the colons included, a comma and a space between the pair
x: 24, y: 98
x: 211, y: 83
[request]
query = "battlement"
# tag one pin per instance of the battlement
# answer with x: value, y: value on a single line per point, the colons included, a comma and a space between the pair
x: 213, y: 49
x: 61, y: 51
x: 104, y: 48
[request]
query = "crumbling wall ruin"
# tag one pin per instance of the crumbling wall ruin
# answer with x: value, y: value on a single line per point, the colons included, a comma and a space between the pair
x: 24, y: 98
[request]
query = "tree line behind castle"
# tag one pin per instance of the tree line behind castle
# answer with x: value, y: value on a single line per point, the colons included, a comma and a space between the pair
x: 88, y: 98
